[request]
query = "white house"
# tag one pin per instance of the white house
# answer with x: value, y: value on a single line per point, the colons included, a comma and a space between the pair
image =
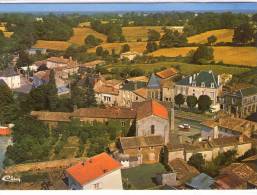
x: 96, y: 173
x: 130, y: 55
x: 11, y: 78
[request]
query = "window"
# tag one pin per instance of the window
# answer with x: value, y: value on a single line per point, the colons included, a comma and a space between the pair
x: 97, y: 186
x: 139, y: 149
x: 212, y: 85
x: 123, y: 123
x: 202, y: 84
x: 136, y: 97
x: 151, y: 148
x: 107, y: 99
x: 152, y: 129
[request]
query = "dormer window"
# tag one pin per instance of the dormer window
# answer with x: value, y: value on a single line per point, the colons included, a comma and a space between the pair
x: 202, y: 84
x: 212, y: 85
x: 193, y: 84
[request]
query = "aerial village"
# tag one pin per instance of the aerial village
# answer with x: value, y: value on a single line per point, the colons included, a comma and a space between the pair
x: 68, y: 124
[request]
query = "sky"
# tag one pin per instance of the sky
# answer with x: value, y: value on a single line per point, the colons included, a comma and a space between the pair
x: 123, y: 7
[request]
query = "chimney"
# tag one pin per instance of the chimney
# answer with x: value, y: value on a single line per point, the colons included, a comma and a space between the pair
x: 218, y: 82
x: 190, y: 80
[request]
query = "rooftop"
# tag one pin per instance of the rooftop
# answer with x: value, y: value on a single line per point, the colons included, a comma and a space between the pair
x: 8, y: 72
x: 249, y: 91
x: 149, y: 108
x: 93, y: 168
x: 183, y: 170
x: 201, y: 181
x: 236, y: 124
x: 154, y: 82
x: 208, y: 78
x: 133, y: 85
x: 111, y: 112
x: 167, y: 73
x: 141, y: 92
x: 139, y: 78
x: 62, y: 60
x: 107, y: 90
x: 141, y: 141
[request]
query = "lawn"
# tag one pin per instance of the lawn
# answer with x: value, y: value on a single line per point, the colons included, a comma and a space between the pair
x: 223, y: 35
x: 185, y: 68
x: 141, y: 177
x: 229, y: 55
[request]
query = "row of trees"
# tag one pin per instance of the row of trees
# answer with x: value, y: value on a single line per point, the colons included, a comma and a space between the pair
x: 204, y: 102
x: 212, y: 168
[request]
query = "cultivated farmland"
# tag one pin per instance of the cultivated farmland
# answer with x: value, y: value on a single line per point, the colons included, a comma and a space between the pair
x: 79, y: 35
x: 229, y: 55
x: 52, y: 45
x: 134, y: 46
x: 223, y: 35
x: 136, y: 33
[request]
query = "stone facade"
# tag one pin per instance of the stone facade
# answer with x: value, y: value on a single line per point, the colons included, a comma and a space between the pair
x: 153, y: 125
x: 241, y: 103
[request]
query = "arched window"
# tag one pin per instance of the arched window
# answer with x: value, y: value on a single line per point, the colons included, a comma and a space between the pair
x: 152, y: 129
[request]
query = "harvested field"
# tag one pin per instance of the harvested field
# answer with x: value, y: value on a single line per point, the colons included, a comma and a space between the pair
x: 229, y: 55
x: 134, y: 46
x: 223, y: 35
x: 135, y: 33
x: 79, y: 35
x: 52, y: 45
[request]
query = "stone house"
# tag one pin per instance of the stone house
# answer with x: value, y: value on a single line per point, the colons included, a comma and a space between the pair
x: 131, y: 91
x: 152, y: 119
x: 57, y: 62
x: 106, y: 95
x: 184, y: 171
x: 202, y: 83
x: 210, y: 148
x: 100, y: 172
x: 11, y: 78
x: 227, y: 126
x: 34, y: 51
x: 240, y: 103
x: 145, y: 148
x: 237, y: 176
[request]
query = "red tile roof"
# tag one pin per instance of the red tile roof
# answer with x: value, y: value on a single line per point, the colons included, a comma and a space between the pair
x: 93, y: 168
x: 151, y: 107
x: 4, y: 131
x: 167, y: 73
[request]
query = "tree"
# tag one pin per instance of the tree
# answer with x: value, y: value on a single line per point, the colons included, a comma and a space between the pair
x: 23, y: 60
x: 191, y: 101
x: 179, y: 99
x: 197, y: 161
x: 6, y: 97
x: 212, y: 39
x: 173, y: 39
x: 153, y: 35
x: 204, y: 103
x: 92, y: 41
x: 244, y: 33
x: 78, y: 96
x: 90, y: 94
x: 125, y: 48
x: 202, y: 55
x: 52, y: 92
x: 99, y: 51
x: 151, y: 46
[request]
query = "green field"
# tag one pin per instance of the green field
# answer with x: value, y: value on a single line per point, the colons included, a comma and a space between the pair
x: 142, y: 177
x: 185, y: 68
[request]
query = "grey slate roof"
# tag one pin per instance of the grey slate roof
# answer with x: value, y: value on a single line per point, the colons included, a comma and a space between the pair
x: 154, y: 82
x: 201, y: 181
x: 8, y: 72
x: 246, y: 92
x: 202, y: 76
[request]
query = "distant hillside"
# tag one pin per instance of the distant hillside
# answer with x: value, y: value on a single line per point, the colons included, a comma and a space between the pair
x: 223, y: 35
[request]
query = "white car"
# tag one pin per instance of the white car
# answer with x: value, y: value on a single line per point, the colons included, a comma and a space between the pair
x: 184, y: 126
